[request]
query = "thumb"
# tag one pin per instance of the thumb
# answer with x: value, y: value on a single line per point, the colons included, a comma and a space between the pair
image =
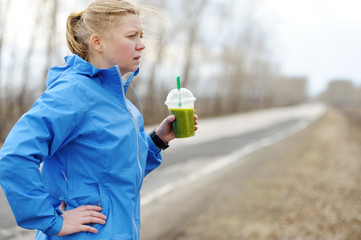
x: 170, y: 118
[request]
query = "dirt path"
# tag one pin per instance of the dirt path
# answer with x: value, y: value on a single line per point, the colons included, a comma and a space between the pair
x: 306, y: 187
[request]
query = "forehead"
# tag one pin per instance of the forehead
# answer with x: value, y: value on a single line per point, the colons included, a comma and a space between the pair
x: 130, y: 22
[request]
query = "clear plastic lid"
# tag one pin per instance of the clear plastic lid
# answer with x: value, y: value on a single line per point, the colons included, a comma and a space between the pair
x: 183, y: 96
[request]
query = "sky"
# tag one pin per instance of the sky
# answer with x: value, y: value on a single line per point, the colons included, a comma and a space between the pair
x: 319, y: 39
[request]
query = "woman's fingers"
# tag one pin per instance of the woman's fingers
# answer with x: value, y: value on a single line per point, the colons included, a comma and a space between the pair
x: 89, y: 208
x: 76, y: 220
x: 195, y: 122
x: 94, y: 217
x: 97, y: 220
x: 87, y: 228
x: 90, y: 211
x: 92, y: 214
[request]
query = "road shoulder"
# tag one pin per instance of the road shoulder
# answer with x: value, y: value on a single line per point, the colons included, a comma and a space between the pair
x: 304, y: 187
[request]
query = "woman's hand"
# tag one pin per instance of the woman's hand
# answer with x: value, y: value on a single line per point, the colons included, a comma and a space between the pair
x: 165, y: 129
x: 75, y: 220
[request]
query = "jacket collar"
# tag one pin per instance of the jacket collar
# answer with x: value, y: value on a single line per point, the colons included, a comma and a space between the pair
x: 111, y: 74
x: 81, y: 66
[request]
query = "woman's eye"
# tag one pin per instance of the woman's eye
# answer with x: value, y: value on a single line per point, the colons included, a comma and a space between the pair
x: 140, y: 35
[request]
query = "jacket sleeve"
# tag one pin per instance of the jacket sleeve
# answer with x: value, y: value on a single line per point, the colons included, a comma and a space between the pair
x: 47, y: 126
x: 154, y: 157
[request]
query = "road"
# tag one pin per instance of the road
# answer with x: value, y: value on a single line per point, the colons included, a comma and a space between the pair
x: 304, y: 187
x: 188, y: 163
x: 221, y: 141
x: 180, y: 188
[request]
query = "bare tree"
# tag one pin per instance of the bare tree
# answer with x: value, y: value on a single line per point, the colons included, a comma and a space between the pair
x: 245, y: 67
x: 17, y: 94
x: 52, y: 33
x: 4, y: 6
x: 193, y: 15
x: 22, y: 97
x: 4, y: 10
x: 7, y: 104
x: 152, y: 95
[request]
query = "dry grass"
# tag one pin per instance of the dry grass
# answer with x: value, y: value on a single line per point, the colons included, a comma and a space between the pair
x: 307, y: 187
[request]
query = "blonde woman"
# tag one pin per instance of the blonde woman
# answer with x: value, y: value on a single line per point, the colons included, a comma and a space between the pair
x: 88, y: 135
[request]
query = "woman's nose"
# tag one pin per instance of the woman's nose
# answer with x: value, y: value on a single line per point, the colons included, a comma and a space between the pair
x: 140, y: 46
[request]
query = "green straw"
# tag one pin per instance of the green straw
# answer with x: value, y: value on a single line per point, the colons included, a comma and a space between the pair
x: 179, y: 93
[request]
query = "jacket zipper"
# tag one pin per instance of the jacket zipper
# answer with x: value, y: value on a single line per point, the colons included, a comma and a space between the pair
x: 64, y: 175
x: 140, y: 167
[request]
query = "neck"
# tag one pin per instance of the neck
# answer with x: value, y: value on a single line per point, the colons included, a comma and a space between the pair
x: 98, y: 62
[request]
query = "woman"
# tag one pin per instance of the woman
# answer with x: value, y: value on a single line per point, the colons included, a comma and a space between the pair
x: 88, y: 135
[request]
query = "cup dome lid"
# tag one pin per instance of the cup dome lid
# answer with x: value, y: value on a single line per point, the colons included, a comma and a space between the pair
x: 183, y: 96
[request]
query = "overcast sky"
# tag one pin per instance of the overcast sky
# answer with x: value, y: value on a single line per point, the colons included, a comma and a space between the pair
x: 320, y: 39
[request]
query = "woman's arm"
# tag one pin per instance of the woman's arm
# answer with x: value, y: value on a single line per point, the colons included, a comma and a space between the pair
x: 47, y: 126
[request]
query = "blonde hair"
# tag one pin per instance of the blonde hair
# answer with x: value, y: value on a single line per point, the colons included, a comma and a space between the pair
x: 99, y: 17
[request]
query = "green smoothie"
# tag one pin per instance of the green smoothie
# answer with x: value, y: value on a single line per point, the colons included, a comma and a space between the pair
x: 184, y: 122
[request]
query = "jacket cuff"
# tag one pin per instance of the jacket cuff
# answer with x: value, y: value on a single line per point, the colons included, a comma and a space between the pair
x: 152, y: 146
x: 56, y: 227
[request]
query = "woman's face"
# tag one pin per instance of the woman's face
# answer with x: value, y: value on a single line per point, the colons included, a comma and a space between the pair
x: 124, y: 47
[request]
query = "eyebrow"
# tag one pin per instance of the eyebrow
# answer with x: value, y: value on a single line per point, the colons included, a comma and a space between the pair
x: 135, y: 31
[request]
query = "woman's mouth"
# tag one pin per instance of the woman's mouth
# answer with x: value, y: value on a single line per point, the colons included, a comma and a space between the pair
x: 137, y: 58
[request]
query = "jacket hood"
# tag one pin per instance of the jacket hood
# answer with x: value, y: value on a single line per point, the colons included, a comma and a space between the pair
x: 82, y: 67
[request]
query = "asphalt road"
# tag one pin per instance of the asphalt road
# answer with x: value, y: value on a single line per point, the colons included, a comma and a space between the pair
x: 219, y: 143
x: 193, y: 168
x: 181, y: 162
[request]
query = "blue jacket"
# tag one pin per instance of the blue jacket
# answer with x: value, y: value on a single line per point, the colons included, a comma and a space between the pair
x: 91, y: 141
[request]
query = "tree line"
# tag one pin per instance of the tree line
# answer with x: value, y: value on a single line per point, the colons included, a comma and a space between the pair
x: 222, y: 54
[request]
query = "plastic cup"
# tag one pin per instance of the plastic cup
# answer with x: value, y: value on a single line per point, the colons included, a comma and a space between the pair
x: 180, y: 103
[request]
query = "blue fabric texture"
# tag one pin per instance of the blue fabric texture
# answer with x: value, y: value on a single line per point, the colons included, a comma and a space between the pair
x: 83, y: 142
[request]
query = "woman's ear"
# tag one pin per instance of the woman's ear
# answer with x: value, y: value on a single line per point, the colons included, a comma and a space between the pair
x: 96, y: 43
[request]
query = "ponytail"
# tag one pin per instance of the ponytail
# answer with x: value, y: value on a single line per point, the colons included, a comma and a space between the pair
x: 74, y: 37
